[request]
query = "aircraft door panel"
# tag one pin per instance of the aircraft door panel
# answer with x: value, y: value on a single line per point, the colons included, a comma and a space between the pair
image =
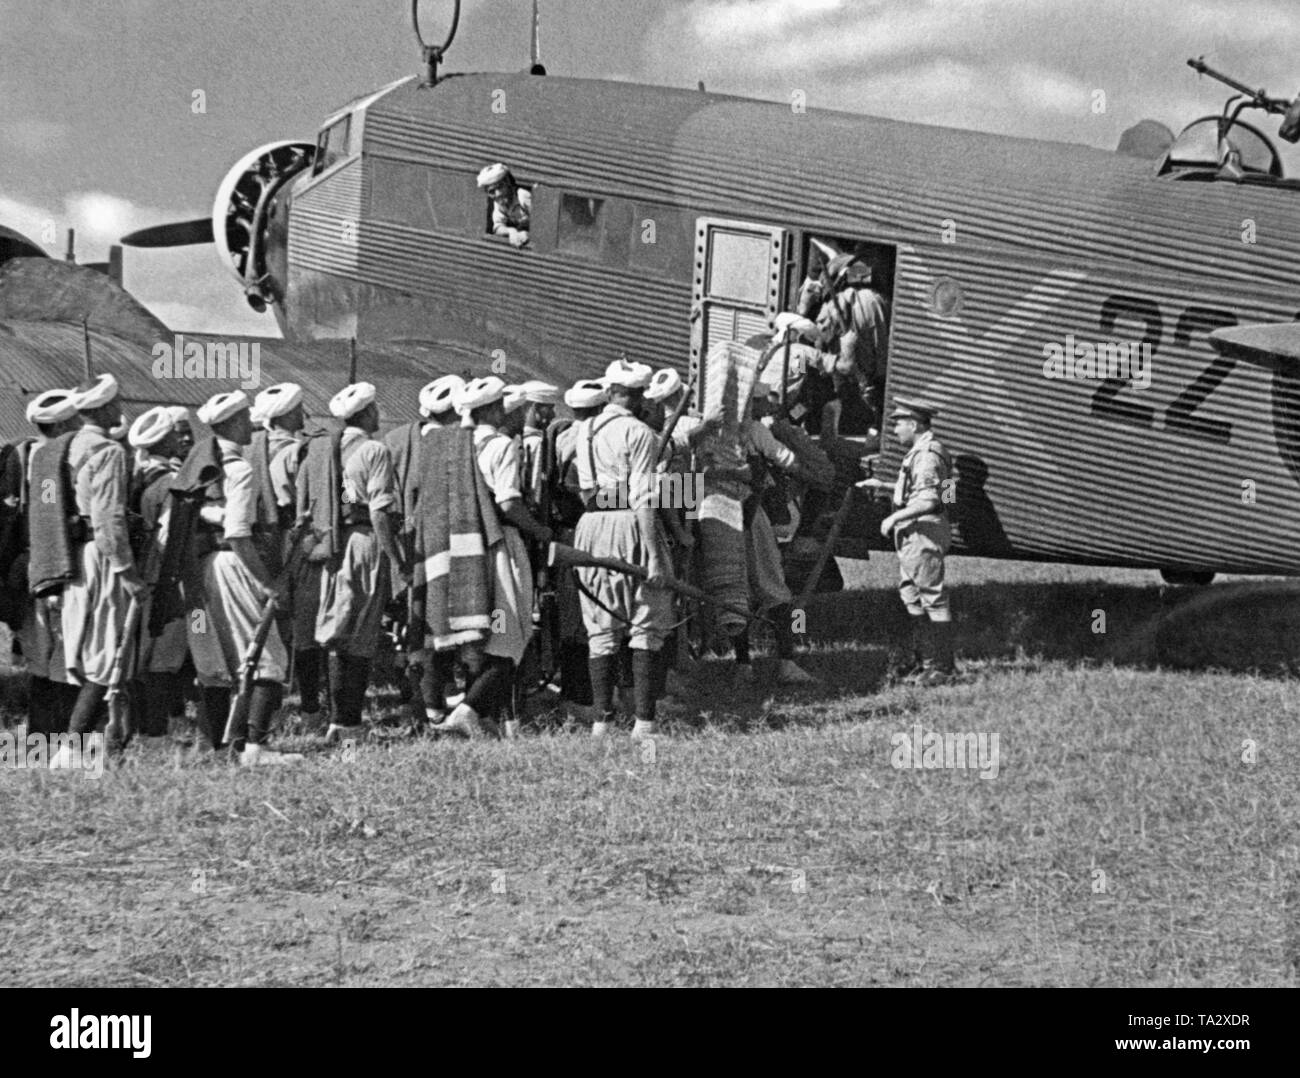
x: 737, y: 284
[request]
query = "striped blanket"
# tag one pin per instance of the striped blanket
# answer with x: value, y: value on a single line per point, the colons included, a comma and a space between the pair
x: 729, y: 375
x: 456, y: 526
x: 51, y: 565
x: 320, y: 494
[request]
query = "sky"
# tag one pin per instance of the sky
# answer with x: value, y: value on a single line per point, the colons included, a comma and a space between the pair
x: 99, y: 130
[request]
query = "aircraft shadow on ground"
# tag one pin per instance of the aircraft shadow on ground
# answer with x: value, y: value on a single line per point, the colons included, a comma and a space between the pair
x: 1240, y: 627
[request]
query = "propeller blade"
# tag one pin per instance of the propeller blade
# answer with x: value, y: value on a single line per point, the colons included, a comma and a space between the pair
x: 176, y: 234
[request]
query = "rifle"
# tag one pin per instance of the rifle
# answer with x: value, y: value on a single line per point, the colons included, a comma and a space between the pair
x: 120, y: 724
x: 237, y: 721
x: 828, y: 545
x: 573, y: 557
x: 666, y: 435
x: 548, y: 607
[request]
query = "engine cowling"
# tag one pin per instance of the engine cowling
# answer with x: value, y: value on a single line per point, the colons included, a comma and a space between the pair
x: 241, y: 214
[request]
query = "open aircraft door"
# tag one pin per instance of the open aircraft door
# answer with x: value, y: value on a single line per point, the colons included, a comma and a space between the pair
x: 739, y: 281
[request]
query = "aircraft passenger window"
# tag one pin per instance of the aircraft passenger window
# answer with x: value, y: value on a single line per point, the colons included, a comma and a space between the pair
x: 334, y: 144
x: 581, y: 225
x: 421, y: 197
x: 662, y: 241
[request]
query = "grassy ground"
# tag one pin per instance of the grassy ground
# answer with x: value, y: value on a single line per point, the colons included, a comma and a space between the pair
x: 1141, y: 830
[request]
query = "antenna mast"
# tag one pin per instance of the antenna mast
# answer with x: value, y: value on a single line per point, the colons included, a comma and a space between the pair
x: 535, y: 46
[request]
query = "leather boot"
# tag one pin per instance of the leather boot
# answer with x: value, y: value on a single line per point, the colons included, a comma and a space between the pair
x: 214, y: 709
x: 941, y: 660
x: 914, y: 662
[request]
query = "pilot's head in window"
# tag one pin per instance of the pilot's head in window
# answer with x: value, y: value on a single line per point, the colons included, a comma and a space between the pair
x: 499, y: 184
x: 511, y: 204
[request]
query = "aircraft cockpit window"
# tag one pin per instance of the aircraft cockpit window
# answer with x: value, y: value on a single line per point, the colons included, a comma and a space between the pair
x: 334, y: 144
x: 580, y: 225
x: 1199, y: 148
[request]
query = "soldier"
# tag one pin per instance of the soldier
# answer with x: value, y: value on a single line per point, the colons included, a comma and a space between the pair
x: 585, y: 398
x: 922, y: 535
x: 431, y: 672
x: 40, y: 631
x: 854, y: 326
x: 354, y: 594
x: 482, y: 404
x: 540, y: 400
x: 231, y: 589
x: 512, y: 205
x: 616, y: 458
x: 161, y: 688
x: 275, y: 455
x: 180, y: 416
x: 767, y: 586
x: 105, y: 579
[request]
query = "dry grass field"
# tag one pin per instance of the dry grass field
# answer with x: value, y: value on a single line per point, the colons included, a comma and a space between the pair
x: 1141, y: 828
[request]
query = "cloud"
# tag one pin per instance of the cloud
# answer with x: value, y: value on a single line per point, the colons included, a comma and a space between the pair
x: 98, y: 217
x: 33, y: 138
x: 186, y: 287
x: 1027, y: 68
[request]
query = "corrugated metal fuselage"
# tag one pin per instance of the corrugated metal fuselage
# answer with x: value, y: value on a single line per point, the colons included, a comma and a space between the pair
x: 1003, y: 248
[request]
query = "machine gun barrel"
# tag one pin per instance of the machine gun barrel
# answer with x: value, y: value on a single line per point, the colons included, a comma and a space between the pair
x: 1260, y: 97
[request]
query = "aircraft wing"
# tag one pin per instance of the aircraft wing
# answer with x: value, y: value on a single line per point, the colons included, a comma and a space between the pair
x: 43, y: 303
x: 1270, y: 344
x: 35, y: 356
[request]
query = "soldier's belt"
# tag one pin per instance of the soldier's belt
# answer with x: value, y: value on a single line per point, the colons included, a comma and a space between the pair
x: 356, y: 515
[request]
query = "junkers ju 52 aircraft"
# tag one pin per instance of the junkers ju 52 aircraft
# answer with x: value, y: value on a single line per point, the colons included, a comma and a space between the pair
x: 998, y: 256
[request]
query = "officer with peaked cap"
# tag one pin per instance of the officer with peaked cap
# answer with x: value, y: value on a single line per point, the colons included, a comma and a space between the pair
x: 512, y: 205
x: 355, y: 590
x: 96, y: 600
x: 36, y: 618
x: 616, y: 460
x: 160, y: 658
x: 232, y: 586
x: 922, y: 535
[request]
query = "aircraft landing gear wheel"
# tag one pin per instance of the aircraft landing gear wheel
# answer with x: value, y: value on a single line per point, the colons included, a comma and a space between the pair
x: 1186, y: 577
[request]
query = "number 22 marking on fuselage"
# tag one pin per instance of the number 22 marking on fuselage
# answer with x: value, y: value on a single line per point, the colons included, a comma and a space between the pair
x: 1180, y: 414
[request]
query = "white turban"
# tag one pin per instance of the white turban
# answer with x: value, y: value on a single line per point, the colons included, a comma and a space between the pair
x: 664, y: 384
x: 440, y: 395
x: 514, y: 397
x: 275, y: 401
x: 586, y: 394
x: 103, y: 392
x: 789, y: 320
x: 492, y: 174
x: 537, y: 392
x: 478, y: 393
x: 628, y: 375
x: 150, y: 428
x: 52, y: 406
x: 221, y: 407
x: 348, y: 402
x: 178, y: 414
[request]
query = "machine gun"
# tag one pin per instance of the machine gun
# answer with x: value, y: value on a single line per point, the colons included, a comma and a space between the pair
x: 1254, y: 99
